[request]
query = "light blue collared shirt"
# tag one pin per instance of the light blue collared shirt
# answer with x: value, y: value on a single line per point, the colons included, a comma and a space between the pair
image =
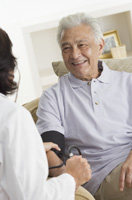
x: 96, y: 116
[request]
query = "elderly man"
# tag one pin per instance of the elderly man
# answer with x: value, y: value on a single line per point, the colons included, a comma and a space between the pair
x: 90, y: 107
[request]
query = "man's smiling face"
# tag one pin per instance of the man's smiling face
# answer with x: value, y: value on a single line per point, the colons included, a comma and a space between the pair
x: 80, y: 52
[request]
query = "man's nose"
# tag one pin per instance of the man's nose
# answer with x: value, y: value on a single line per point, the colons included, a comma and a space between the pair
x: 75, y: 53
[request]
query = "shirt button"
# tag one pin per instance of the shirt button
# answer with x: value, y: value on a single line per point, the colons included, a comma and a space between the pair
x: 96, y: 103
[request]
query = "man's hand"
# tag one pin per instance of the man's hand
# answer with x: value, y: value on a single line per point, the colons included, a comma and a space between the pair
x: 50, y: 145
x: 79, y: 168
x: 126, y: 173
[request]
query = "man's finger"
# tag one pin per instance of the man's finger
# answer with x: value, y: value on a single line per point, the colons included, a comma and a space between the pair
x: 122, y: 180
x: 129, y: 180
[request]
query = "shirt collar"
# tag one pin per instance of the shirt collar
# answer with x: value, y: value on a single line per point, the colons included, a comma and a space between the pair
x: 75, y: 82
x: 105, y: 74
x: 104, y: 77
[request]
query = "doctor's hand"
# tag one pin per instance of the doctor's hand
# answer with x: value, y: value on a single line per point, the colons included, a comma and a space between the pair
x: 126, y: 173
x: 50, y: 145
x: 79, y: 168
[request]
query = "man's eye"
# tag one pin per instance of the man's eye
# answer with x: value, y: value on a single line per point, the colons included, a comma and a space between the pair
x: 83, y: 45
x: 66, y: 49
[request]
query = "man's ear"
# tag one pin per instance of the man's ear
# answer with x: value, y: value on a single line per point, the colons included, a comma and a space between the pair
x: 101, y: 46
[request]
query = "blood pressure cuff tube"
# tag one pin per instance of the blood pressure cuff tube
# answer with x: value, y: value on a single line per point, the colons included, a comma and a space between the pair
x: 55, y: 137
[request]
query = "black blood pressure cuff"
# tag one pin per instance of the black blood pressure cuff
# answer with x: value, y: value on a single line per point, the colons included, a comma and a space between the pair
x: 55, y: 137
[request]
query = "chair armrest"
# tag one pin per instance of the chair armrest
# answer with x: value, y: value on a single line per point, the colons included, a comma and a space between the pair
x: 32, y: 107
x: 83, y: 194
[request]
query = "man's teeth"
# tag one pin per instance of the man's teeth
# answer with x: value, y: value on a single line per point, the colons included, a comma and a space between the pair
x: 79, y: 62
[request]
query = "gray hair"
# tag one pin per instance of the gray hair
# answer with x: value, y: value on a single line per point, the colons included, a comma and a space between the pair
x: 77, y: 19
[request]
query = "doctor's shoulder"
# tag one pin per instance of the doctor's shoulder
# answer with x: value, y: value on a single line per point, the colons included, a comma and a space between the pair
x: 12, y: 111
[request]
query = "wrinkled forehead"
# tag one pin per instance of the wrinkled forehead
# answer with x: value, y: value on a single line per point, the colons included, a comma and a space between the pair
x: 77, y: 33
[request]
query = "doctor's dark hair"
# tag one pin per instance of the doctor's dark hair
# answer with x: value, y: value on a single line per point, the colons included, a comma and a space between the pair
x: 77, y: 19
x: 7, y: 65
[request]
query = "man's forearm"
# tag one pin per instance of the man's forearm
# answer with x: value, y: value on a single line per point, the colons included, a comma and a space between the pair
x: 54, y: 160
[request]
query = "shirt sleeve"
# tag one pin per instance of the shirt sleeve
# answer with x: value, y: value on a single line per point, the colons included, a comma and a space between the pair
x: 24, y: 163
x: 49, y: 113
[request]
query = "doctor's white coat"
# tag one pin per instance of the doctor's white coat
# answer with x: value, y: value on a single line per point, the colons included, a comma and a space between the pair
x: 23, y: 162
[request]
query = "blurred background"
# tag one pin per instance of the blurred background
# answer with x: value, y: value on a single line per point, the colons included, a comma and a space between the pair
x: 32, y: 26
